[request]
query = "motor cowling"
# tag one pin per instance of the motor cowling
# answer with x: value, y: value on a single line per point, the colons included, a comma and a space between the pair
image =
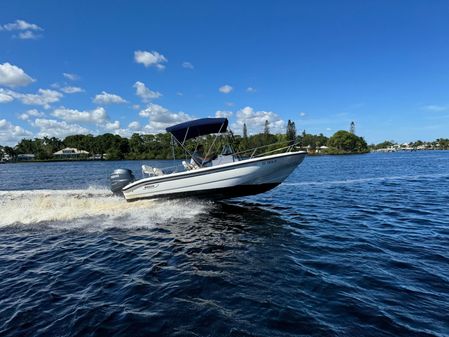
x: 119, y: 179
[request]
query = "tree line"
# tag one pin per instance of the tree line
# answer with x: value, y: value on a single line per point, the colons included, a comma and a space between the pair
x: 439, y: 143
x: 158, y: 146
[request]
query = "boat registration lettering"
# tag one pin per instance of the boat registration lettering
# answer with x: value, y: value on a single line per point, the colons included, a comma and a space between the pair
x: 146, y: 187
x: 269, y: 162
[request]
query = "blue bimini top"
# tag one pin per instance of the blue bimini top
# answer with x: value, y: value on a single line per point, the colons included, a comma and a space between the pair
x: 198, y: 127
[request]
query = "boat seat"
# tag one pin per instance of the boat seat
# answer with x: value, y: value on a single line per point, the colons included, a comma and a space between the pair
x: 152, y: 171
x: 188, y: 166
x: 158, y: 171
x: 147, y: 170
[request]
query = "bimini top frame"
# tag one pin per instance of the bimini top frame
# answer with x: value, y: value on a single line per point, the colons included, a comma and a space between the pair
x: 196, y: 128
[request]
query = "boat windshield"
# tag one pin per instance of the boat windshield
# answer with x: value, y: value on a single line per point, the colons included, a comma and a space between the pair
x: 200, y: 158
x: 227, y: 150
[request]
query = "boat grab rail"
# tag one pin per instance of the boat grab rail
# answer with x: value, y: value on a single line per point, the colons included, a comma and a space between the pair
x: 287, y: 148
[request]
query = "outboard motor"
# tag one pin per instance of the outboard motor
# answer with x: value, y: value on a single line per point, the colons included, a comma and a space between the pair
x: 119, y: 179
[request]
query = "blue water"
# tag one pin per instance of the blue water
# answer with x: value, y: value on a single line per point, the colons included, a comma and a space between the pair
x: 347, y: 246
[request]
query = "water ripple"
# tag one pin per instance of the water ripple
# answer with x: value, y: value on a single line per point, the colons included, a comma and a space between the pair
x: 348, y: 246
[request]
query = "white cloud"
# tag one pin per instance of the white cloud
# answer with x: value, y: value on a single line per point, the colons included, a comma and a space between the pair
x: 302, y: 113
x: 33, y: 112
x: 60, y: 129
x: 251, y: 90
x: 255, y: 121
x: 13, y: 76
x: 97, y: 116
x: 179, y: 93
x: 223, y: 114
x: 113, y: 125
x: 28, y: 35
x: 71, y: 77
x: 230, y: 103
x: 134, y: 125
x: 149, y: 59
x: 21, y: 25
x: 187, y: 65
x: 10, y: 134
x: 5, y: 98
x: 161, y: 118
x: 27, y: 31
x: 436, y: 108
x: 43, y: 97
x: 72, y: 90
x: 145, y: 93
x: 225, y: 89
x: 107, y: 98
x: 127, y: 132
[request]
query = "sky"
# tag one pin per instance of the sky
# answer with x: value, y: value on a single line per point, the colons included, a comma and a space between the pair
x: 69, y: 67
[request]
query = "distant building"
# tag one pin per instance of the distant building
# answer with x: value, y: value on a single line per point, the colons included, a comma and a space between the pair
x: 309, y: 149
x: 322, y: 148
x: 352, y: 128
x: 4, y: 157
x: 25, y: 157
x: 70, y: 153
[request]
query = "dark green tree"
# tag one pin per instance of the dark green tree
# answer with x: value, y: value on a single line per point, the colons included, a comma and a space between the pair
x: 291, y: 132
x: 266, y: 129
x: 136, y: 146
x: 75, y: 141
x: 344, y: 141
x: 25, y: 146
x: 9, y: 151
x: 312, y: 141
x: 443, y: 143
x: 243, y: 143
x: 384, y: 144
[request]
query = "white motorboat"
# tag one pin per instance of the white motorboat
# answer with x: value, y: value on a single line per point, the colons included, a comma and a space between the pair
x: 229, y: 175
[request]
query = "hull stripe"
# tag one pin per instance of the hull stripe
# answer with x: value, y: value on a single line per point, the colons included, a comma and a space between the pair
x: 218, y: 193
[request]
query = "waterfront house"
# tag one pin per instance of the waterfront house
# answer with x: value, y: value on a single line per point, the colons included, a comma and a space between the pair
x: 322, y: 149
x: 25, y: 157
x: 70, y: 153
x: 4, y: 157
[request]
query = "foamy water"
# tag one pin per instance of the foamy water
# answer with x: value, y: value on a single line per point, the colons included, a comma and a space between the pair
x: 83, y: 208
x: 347, y: 246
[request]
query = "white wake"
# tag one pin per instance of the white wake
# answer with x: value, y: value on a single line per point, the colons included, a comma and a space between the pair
x: 91, y: 207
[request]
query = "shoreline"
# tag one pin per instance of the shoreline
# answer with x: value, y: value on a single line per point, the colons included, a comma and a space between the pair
x: 308, y: 154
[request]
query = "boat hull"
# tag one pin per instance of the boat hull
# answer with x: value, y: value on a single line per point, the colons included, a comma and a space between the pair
x: 246, y: 177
